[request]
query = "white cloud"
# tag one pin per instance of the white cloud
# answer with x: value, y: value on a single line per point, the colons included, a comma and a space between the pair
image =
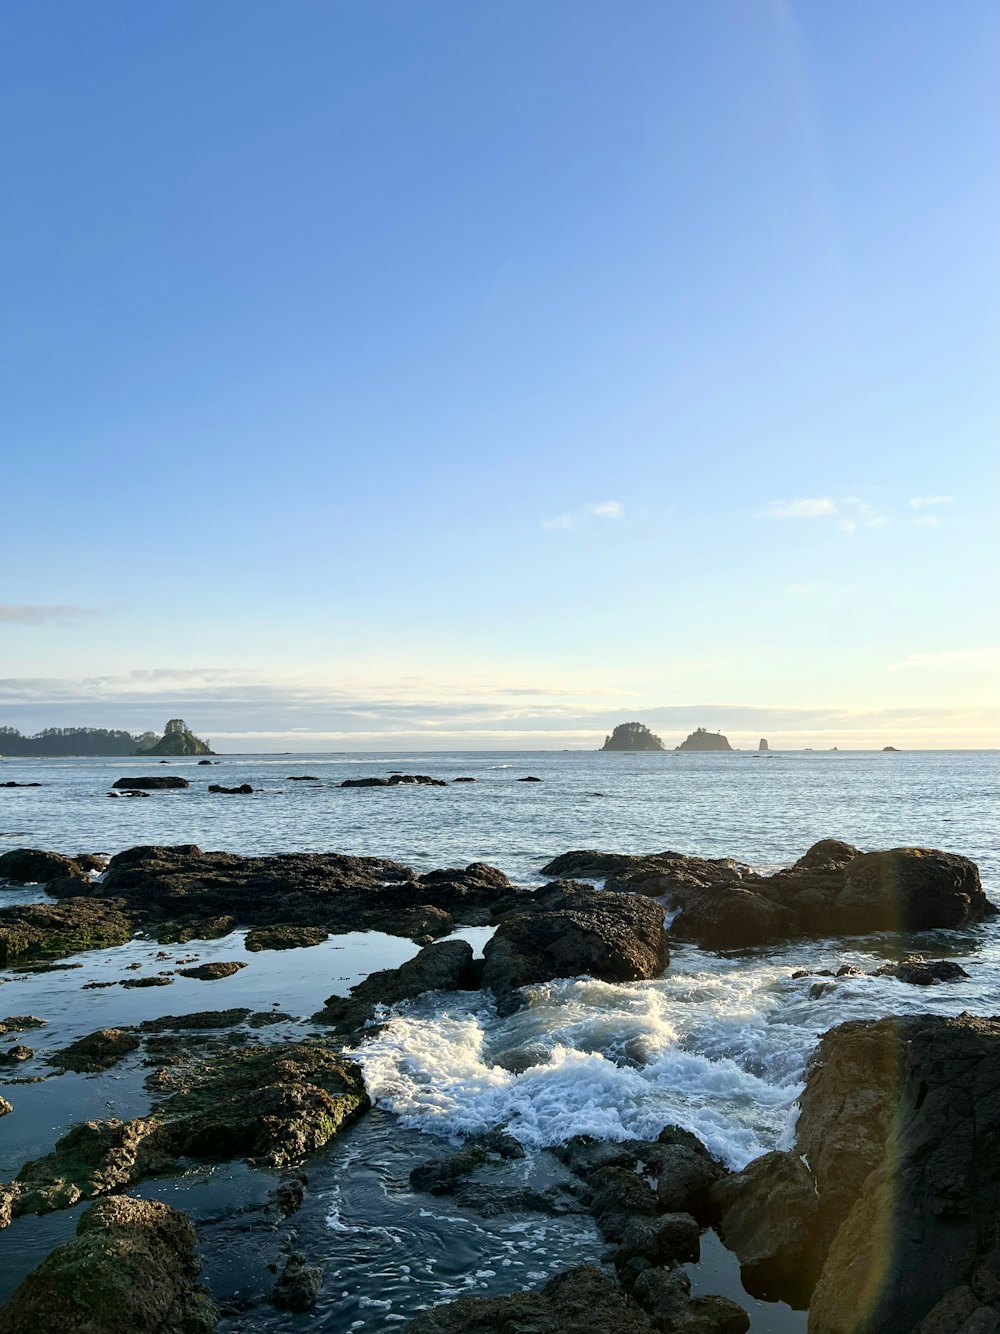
x: 599, y: 509
x: 923, y: 502
x: 817, y: 508
x: 925, y: 521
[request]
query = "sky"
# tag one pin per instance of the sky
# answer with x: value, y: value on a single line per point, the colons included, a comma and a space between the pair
x: 483, y: 373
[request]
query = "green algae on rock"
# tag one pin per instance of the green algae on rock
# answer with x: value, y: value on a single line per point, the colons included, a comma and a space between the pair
x: 97, y: 1051
x: 67, y: 927
x: 284, y: 937
x: 130, y: 1267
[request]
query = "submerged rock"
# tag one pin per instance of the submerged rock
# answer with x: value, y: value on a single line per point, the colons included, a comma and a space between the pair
x: 211, y: 972
x: 151, y: 783
x: 299, y: 1285
x: 131, y: 1267
x: 567, y: 930
x: 243, y: 790
x: 284, y: 937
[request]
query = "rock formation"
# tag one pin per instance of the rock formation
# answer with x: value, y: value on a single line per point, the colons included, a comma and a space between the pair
x: 699, y: 739
x: 632, y: 736
x: 178, y: 739
x: 763, y: 744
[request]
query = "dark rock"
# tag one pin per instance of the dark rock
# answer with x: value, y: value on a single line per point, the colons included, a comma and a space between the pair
x: 206, y: 762
x: 200, y: 1019
x: 289, y: 1195
x: 154, y: 783
x: 529, y: 779
x: 13, y: 784
x: 920, y: 972
x: 440, y: 1176
x: 464, y: 780
x: 75, y: 924
x: 16, y: 1055
x: 444, y: 966
x: 567, y: 930
x: 131, y: 1267
x: 301, y: 778
x: 910, y: 889
x: 5, y: 1109
x: 632, y: 736
x: 298, y: 1287
x: 158, y: 980
x: 244, y: 789
x: 210, y: 972
x: 578, y: 1301
x: 32, y: 866
x: 671, y: 1239
x: 395, y: 780
x: 685, y: 1179
x: 284, y: 937
x: 97, y: 1051
x: 699, y: 739
x: 21, y: 1023
x: 616, y: 1194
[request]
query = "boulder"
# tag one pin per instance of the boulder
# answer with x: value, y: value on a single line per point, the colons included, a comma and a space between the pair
x: 920, y: 972
x: 32, y: 866
x: 130, y: 1267
x: 284, y: 937
x: 567, y: 930
x: 244, y: 789
x: 910, y: 889
x: 153, y: 783
x: 298, y: 1287
x: 211, y: 972
x: 445, y: 966
x: 31, y: 929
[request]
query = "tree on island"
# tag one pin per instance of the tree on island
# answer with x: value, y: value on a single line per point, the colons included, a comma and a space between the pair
x: 632, y: 736
x: 700, y: 739
x: 178, y: 739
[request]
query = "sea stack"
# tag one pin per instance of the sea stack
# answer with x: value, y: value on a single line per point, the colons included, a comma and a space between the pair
x: 763, y: 744
x: 702, y: 740
x: 178, y: 739
x: 632, y: 736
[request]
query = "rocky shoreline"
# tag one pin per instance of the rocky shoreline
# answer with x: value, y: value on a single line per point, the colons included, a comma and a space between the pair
x: 898, y: 1134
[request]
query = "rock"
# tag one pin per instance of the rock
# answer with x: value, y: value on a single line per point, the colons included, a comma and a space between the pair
x: 578, y: 1301
x: 5, y: 1108
x: 155, y: 783
x: 686, y: 1177
x: 16, y: 1055
x: 206, y: 762
x: 762, y: 744
x: 616, y: 1195
x: 893, y: 749
x: 395, y: 780
x: 699, y: 739
x: 199, y: 1020
x: 210, y: 972
x: 440, y: 1176
x: 632, y: 736
x: 97, y: 1051
x: 178, y: 739
x: 445, y: 966
x: 158, y: 980
x: 529, y: 779
x: 464, y: 780
x: 30, y: 929
x: 21, y: 1023
x: 13, y: 784
x: 769, y: 1218
x: 32, y: 866
x: 131, y: 1267
x: 920, y: 972
x: 92, y: 1158
x: 567, y: 930
x: 301, y: 778
x: 910, y: 889
x: 671, y: 1239
x: 284, y: 937
x: 244, y: 789
x: 299, y: 1285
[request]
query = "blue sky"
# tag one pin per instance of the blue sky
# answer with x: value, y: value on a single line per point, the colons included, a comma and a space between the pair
x: 486, y: 373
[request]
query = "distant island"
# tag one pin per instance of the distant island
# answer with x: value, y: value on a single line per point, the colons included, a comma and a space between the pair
x: 176, y: 739
x: 632, y: 736
x: 702, y: 740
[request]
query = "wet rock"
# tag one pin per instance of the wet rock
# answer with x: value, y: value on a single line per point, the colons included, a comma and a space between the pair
x: 21, y: 1023
x: 32, y: 866
x: 5, y: 1109
x: 685, y: 1179
x: 529, y: 779
x: 489, y: 1199
x: 578, y: 1301
x: 130, y: 1267
x: 440, y: 1176
x: 284, y: 937
x: 671, y: 1239
x: 153, y: 783
x: 290, y: 1194
x: 301, y: 778
x: 616, y: 1196
x: 211, y: 972
x: 11, y: 783
x: 445, y: 966
x: 264, y: 1018
x: 920, y: 972
x: 299, y: 1286
x: 200, y: 1019
x: 911, y: 889
x: 464, y: 780
x: 769, y: 1218
x: 666, y: 1295
x: 243, y: 790
x: 16, y: 1055
x: 28, y: 929
x: 157, y: 980
x: 93, y: 1158
x: 97, y: 1051
x: 395, y: 780
x: 569, y: 930
x: 207, y: 762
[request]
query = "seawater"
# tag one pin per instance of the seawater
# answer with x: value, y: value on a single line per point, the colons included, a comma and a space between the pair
x: 718, y: 1044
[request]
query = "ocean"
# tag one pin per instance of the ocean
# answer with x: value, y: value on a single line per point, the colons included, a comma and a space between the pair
x: 719, y: 1044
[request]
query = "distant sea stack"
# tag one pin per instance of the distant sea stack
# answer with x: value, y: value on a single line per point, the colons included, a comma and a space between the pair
x: 178, y: 739
x: 632, y: 736
x: 894, y: 749
x: 763, y: 744
x: 702, y: 740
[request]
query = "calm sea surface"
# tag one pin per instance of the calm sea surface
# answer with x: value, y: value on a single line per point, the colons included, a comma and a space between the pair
x: 717, y: 1044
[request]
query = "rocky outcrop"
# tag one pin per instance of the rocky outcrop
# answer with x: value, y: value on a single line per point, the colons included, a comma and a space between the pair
x: 446, y: 966
x: 632, y: 736
x: 152, y: 783
x: 568, y: 929
x: 211, y: 972
x: 178, y: 739
x: 284, y: 937
x: 832, y: 890
x: 97, y: 1051
x: 32, y: 929
x: 890, y: 1196
x: 299, y: 1285
x: 762, y: 744
x: 32, y: 866
x: 395, y: 780
x: 130, y: 1267
x: 244, y: 790
x: 699, y: 739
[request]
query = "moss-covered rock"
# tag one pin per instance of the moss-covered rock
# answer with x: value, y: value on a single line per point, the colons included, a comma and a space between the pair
x: 131, y: 1267
x: 97, y: 1051
x: 211, y: 972
x: 282, y: 937
x: 74, y: 924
